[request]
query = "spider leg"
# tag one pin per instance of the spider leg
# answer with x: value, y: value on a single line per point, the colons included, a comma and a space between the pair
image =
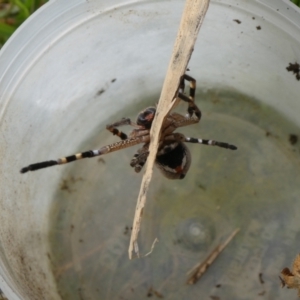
x: 192, y: 108
x: 181, y: 121
x: 174, y: 121
x: 210, y: 143
x: 125, y: 121
x: 140, y: 158
x: 182, y: 138
x: 88, y: 154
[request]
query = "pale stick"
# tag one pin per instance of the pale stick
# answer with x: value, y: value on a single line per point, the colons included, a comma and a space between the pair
x: 201, y: 268
x: 191, y: 21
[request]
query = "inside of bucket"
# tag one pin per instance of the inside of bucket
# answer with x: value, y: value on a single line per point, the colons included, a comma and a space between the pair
x: 247, y: 98
x: 254, y: 188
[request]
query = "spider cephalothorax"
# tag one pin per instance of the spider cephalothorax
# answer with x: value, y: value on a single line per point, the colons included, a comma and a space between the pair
x: 173, y: 157
x: 145, y: 117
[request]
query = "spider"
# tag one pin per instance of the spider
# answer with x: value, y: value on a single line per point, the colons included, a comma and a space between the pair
x: 173, y: 158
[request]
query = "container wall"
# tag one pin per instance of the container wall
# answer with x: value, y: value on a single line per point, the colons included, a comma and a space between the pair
x: 73, y: 66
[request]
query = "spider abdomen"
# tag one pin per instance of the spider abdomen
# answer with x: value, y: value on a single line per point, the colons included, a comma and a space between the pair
x: 174, y: 160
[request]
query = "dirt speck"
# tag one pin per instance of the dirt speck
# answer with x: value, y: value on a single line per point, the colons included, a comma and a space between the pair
x: 100, y: 92
x: 101, y: 160
x: 152, y: 292
x: 295, y: 68
x: 237, y: 21
x: 293, y: 139
x: 268, y: 133
x: 260, y: 276
x: 126, y: 230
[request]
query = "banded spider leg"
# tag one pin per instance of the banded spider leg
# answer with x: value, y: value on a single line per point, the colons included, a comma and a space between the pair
x: 138, y: 135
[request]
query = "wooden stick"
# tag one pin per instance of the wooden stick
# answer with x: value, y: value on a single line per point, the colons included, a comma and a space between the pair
x: 201, y: 268
x: 152, y: 247
x: 191, y: 21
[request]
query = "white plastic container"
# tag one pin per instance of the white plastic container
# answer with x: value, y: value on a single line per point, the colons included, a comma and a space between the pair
x: 77, y: 65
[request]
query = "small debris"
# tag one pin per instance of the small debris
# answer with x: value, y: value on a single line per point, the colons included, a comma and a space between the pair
x: 237, y: 21
x: 260, y: 276
x: 126, y: 230
x: 74, y: 180
x: 113, y: 80
x: 202, y: 187
x: 100, y: 92
x: 101, y: 160
x: 293, y: 139
x: 268, y: 133
x: 291, y: 279
x: 295, y: 68
x: 153, y: 292
x: 158, y: 295
x: 64, y: 186
x: 218, y: 285
x: 258, y: 27
x: 149, y: 293
x: 152, y: 247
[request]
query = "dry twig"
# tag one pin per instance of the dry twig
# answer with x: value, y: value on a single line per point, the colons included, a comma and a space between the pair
x: 201, y: 268
x: 190, y: 24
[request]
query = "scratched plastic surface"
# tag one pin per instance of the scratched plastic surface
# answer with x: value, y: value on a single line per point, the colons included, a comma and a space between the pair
x: 255, y: 189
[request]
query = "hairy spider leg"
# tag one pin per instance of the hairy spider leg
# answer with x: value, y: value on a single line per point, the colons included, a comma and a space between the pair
x: 140, y: 158
x: 179, y: 137
x: 193, y: 108
x: 210, y: 143
x: 125, y: 121
x: 138, y: 136
x: 87, y: 154
x: 180, y: 121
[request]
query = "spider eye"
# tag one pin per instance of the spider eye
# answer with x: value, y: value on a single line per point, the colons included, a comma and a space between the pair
x: 146, y: 117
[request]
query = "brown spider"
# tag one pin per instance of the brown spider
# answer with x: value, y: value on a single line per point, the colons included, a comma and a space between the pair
x: 173, y: 157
